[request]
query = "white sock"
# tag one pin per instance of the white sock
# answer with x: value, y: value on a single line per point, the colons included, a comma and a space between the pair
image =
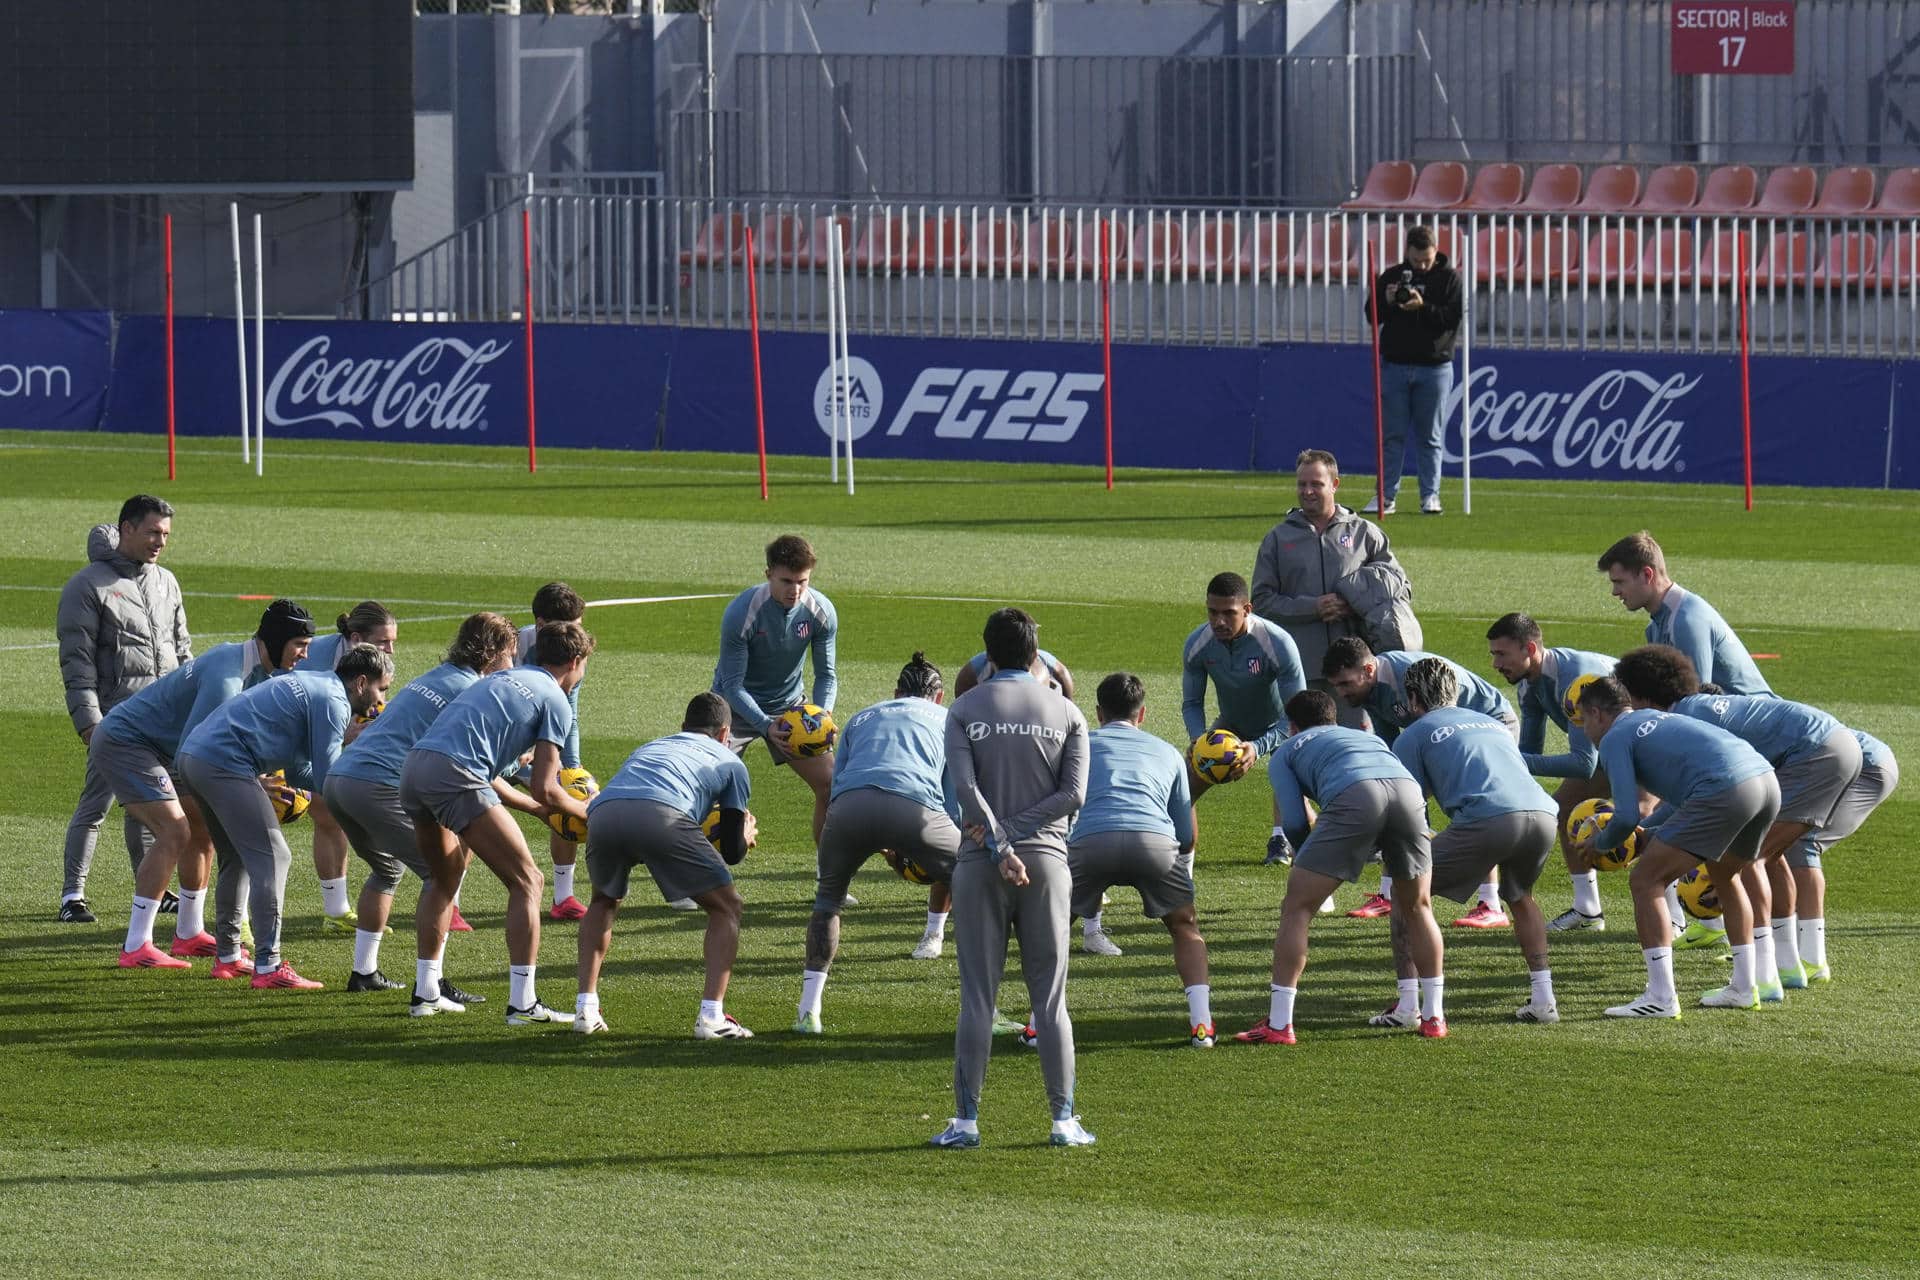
x: 426, y: 979
x: 1409, y: 991
x: 812, y: 983
x: 1742, y: 968
x: 586, y: 1002
x: 1091, y: 925
x: 366, y: 950
x: 1279, y: 831
x: 261, y: 969
x: 1716, y: 925
x: 192, y: 920
x: 936, y: 924
x: 333, y: 896
x: 1586, y: 893
x: 1200, y: 1005
x: 1328, y: 906
x: 1674, y: 913
x: 1386, y: 886
x: 1433, y: 992
x: 140, y: 923
x: 456, y: 890
x: 1542, y: 980
x: 520, y: 986
x: 1490, y: 895
x: 710, y: 1011
x: 1280, y: 1006
x: 1813, y: 942
x: 1660, y: 974
x: 1766, y: 969
x: 965, y: 1126
x: 1786, y: 942
x: 562, y: 882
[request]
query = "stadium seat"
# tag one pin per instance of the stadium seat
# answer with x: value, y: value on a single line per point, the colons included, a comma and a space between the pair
x: 1611, y: 257
x: 776, y: 238
x: 1847, y: 189
x: 1498, y: 253
x: 1612, y: 189
x: 1158, y: 249
x: 1323, y: 250
x: 1388, y: 185
x: 1552, y: 255
x: 1719, y: 266
x: 1895, y: 271
x: 811, y: 253
x: 1672, y: 188
x: 1442, y: 184
x: 1786, y: 263
x: 720, y: 239
x: 882, y: 243
x: 1790, y: 189
x: 1851, y: 258
x: 934, y: 244
x: 1555, y: 187
x: 1218, y: 248
x: 1729, y: 189
x: 1085, y: 237
x: 1269, y: 246
x: 1900, y: 193
x: 1661, y: 258
x: 1496, y: 186
x: 1000, y: 249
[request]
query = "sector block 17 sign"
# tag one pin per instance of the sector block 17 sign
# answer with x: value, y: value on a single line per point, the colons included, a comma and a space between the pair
x: 1733, y: 37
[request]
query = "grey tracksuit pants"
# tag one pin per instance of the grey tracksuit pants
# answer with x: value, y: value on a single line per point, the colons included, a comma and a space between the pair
x: 251, y: 856
x: 83, y: 834
x: 985, y: 910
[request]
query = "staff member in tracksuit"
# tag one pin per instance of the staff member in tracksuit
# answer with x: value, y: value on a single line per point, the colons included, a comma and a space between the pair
x: 1017, y: 753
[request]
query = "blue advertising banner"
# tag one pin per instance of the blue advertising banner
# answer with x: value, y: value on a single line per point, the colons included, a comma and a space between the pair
x: 55, y: 367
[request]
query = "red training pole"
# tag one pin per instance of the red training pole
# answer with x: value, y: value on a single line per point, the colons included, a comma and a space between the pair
x: 526, y: 309
x: 1106, y: 337
x: 1746, y: 376
x: 1379, y: 396
x: 759, y: 391
x: 170, y: 408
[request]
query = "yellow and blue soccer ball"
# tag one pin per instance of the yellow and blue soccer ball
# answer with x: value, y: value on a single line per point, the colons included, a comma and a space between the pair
x: 813, y: 731
x: 1213, y: 755
x: 371, y: 714
x: 288, y: 802
x: 1571, y: 703
x: 909, y: 869
x: 1588, y: 819
x: 1698, y: 897
x: 710, y: 827
x: 566, y: 826
x: 579, y: 783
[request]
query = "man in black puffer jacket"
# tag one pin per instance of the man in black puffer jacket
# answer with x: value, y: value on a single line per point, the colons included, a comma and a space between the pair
x: 1420, y: 309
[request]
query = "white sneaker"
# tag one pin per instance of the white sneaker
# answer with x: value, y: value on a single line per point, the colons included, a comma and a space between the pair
x: 536, y: 1013
x: 931, y: 945
x: 1096, y: 943
x: 1570, y: 919
x: 1531, y: 1012
x: 586, y: 1024
x: 1430, y: 505
x: 1373, y: 507
x: 1647, y: 1007
x: 684, y: 904
x: 1728, y: 998
x: 849, y: 901
x: 727, y: 1028
x: 1391, y: 1016
x: 1069, y: 1133
x: 420, y: 1008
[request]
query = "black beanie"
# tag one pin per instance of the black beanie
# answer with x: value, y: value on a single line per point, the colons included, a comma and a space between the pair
x: 283, y: 621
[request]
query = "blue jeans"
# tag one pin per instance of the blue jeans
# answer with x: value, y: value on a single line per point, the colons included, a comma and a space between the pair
x: 1414, y: 395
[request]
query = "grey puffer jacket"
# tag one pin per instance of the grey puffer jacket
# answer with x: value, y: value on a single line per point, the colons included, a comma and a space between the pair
x: 1296, y: 566
x: 122, y: 626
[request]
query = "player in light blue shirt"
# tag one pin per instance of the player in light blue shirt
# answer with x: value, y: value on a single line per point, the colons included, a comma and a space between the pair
x: 294, y: 724
x: 1497, y: 817
x: 1806, y: 884
x: 1136, y: 828
x: 1544, y: 680
x: 368, y: 622
x: 766, y: 636
x: 1637, y: 570
x: 558, y: 602
x: 1723, y: 798
x: 979, y: 668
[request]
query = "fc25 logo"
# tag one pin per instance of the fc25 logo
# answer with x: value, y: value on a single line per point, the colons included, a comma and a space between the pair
x: 1038, y: 406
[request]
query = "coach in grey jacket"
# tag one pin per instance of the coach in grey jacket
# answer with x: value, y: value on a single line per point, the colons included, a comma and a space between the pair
x: 1321, y: 567
x: 1017, y: 755
x: 122, y: 626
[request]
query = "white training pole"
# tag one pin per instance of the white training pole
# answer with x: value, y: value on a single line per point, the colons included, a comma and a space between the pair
x: 240, y: 333
x: 846, y: 358
x: 1466, y: 386
x: 259, y: 354
x: 835, y: 388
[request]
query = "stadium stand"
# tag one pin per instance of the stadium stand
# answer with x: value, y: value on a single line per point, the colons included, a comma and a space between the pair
x: 1672, y: 188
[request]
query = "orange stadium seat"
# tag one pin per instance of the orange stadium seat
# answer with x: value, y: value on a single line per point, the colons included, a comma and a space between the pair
x: 1388, y: 185
x: 1719, y: 266
x: 776, y: 237
x: 1847, y: 189
x: 721, y: 238
x: 1895, y: 272
x: 1900, y: 193
x: 934, y: 243
x: 1158, y: 248
x: 1555, y: 187
x: 1672, y: 188
x: 1498, y: 253
x: 883, y: 241
x: 1611, y: 257
x: 1786, y: 263
x: 1790, y: 189
x: 1217, y: 247
x: 1086, y: 247
x: 1496, y: 186
x: 1730, y: 189
x: 810, y: 252
x: 1442, y: 184
x: 1611, y: 188
x: 1850, y: 259
x: 1325, y: 252
x: 1662, y: 257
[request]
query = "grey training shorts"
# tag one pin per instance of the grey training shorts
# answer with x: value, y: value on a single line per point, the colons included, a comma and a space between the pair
x: 377, y: 828
x: 1869, y: 790
x: 1812, y: 782
x: 1518, y: 843
x: 435, y: 789
x: 135, y: 773
x: 865, y: 820
x: 625, y: 833
x: 1147, y: 860
x: 1727, y: 825
x: 1384, y: 814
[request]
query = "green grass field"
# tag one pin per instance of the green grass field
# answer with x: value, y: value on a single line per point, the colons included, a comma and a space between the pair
x: 160, y: 1123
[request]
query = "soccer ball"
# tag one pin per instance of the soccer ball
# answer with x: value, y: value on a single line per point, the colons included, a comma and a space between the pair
x: 567, y: 827
x: 710, y: 827
x: 1571, y: 703
x: 288, y: 802
x: 1588, y: 819
x: 813, y: 730
x: 1213, y: 755
x: 579, y: 783
x: 371, y: 714
x: 1697, y: 895
x: 909, y: 868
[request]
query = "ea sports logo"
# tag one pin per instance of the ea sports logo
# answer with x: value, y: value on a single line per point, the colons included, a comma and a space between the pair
x: 978, y: 730
x: 860, y: 392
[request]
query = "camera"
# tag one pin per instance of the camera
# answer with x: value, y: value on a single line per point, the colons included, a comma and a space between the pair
x: 1404, y: 288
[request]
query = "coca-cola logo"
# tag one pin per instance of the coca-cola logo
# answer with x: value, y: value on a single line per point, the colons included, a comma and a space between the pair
x: 1624, y: 419
x: 436, y: 385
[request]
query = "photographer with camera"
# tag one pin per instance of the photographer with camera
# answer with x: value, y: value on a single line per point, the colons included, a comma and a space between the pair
x: 1420, y: 308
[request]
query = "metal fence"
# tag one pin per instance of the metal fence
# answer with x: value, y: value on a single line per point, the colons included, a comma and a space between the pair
x: 1204, y: 276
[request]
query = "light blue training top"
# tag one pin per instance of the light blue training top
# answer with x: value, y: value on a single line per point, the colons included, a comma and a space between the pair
x: 1387, y: 704
x: 763, y: 650
x: 1253, y: 675
x: 570, y: 749
x: 294, y: 722
x: 1469, y: 763
x: 690, y: 772
x: 1874, y: 754
x: 497, y: 719
x: 898, y: 746
x: 1778, y: 729
x: 983, y: 667
x: 1543, y: 698
x: 1318, y: 764
x: 1696, y: 629
x: 1674, y: 757
x: 380, y: 751
x: 1135, y: 782
x: 323, y: 653
x: 160, y: 716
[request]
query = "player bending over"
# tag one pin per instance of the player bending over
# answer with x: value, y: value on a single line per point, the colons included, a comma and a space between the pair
x: 1637, y: 570
x: 1805, y: 882
x: 558, y: 602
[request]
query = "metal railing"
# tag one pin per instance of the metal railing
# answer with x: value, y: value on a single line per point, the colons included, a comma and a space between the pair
x: 1205, y: 276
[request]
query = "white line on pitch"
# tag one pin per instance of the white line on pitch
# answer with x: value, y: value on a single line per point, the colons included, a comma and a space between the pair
x: 711, y: 595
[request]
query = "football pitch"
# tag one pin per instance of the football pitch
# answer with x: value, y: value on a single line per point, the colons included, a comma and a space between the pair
x: 162, y: 1123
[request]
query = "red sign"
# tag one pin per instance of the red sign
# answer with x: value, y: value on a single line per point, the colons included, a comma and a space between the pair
x: 1733, y: 37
